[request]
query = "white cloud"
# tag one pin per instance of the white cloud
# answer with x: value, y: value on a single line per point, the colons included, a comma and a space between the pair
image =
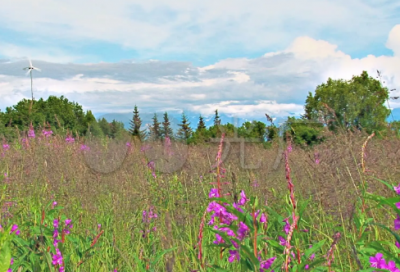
x: 393, y: 42
x: 276, y: 83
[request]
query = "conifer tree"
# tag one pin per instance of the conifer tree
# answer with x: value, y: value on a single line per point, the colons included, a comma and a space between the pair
x: 217, y: 120
x: 201, y: 125
x: 166, y: 129
x: 135, y: 123
x: 185, y: 131
x: 155, y: 129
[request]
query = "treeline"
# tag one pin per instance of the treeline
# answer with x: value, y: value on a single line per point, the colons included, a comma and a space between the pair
x: 337, y: 105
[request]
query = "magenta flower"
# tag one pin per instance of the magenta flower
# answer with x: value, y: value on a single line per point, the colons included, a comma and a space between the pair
x: 14, y: 229
x: 242, y: 231
x: 85, y: 148
x: 31, y: 132
x: 213, y: 193
x: 377, y: 261
x: 57, y: 258
x: 233, y: 255
x: 286, y: 228
x: 55, y: 223
x: 69, y: 139
x: 397, y: 189
x: 397, y: 223
x: 266, y: 264
x: 47, y: 133
x: 282, y: 241
x: 6, y: 146
x: 263, y: 218
x: 243, y: 199
x: 391, y: 266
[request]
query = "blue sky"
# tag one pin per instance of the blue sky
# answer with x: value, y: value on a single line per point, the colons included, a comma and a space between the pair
x: 245, y: 58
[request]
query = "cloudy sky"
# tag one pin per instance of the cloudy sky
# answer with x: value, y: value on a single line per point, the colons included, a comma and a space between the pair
x: 244, y: 58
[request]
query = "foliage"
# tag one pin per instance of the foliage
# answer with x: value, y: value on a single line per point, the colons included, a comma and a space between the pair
x: 354, y: 104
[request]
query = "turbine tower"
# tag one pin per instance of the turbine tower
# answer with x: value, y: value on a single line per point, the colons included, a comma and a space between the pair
x: 30, y: 68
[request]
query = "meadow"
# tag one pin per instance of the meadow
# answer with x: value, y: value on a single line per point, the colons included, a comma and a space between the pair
x: 71, y: 204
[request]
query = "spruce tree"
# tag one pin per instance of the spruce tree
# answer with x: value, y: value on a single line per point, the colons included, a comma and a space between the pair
x: 185, y: 131
x: 166, y: 129
x: 217, y: 120
x: 201, y: 125
x: 155, y: 129
x: 135, y: 123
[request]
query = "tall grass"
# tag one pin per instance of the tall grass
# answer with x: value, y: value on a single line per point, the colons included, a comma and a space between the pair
x: 105, y: 190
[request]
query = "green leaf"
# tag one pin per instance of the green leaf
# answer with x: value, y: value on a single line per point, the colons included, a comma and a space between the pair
x: 5, y: 257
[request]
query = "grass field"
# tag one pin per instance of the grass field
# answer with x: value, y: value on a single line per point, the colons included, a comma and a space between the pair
x: 132, y: 211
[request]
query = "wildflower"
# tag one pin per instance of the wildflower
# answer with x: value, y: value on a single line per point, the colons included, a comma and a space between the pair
x: 69, y: 139
x: 15, y: 229
x: 397, y: 223
x: 242, y: 231
x: 263, y: 218
x: 6, y: 146
x: 397, y: 189
x: 282, y: 241
x: 243, y: 199
x: 47, y: 133
x: 57, y: 258
x: 377, y: 261
x: 233, y: 254
x: 391, y: 266
x: 213, y: 193
x: 85, y: 148
x: 397, y: 244
x: 286, y: 228
x: 53, y: 204
x: 55, y: 223
x: 266, y: 264
x: 31, y: 132
x: 128, y: 144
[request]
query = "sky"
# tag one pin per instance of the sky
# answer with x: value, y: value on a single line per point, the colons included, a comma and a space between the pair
x: 244, y: 58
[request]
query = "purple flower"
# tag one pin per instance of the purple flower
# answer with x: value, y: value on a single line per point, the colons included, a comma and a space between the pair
x: 263, y: 218
x: 69, y: 139
x: 47, y: 133
x: 233, y: 254
x: 6, y: 146
x: 286, y: 228
x: 397, y: 223
x: 54, y: 204
x: 14, y: 229
x: 55, y: 223
x: 266, y: 264
x: 391, y: 266
x: 213, y: 193
x: 282, y: 241
x: 397, y: 244
x: 397, y: 189
x: 243, y: 199
x: 242, y: 231
x: 31, y: 132
x: 85, y: 148
x: 377, y: 261
x: 128, y: 144
x: 57, y: 258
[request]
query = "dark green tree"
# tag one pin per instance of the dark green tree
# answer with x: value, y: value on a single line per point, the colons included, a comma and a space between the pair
x: 201, y: 125
x: 136, y: 123
x: 184, y: 132
x: 354, y: 104
x: 166, y: 127
x: 155, y: 129
x: 217, y: 119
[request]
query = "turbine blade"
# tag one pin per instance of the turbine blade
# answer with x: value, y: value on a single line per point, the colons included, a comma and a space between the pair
x: 28, y: 72
x: 30, y: 62
x: 36, y: 68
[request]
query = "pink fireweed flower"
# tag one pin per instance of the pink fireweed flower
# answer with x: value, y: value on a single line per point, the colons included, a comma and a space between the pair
x: 266, y: 264
x: 47, y: 133
x: 6, y: 147
x: 286, y: 228
x: 397, y: 244
x: 55, y: 223
x: 85, y: 148
x: 233, y: 255
x: 397, y: 223
x: 54, y: 204
x: 282, y: 241
x: 242, y: 231
x: 397, y: 189
x: 377, y: 261
x: 243, y: 199
x: 31, y: 132
x: 263, y: 218
x: 69, y: 139
x: 128, y: 144
x: 57, y: 258
x: 391, y: 266
x: 14, y: 229
x: 213, y: 193
x: 398, y: 205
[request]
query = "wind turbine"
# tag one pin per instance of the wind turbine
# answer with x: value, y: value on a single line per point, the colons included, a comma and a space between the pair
x: 30, y: 68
